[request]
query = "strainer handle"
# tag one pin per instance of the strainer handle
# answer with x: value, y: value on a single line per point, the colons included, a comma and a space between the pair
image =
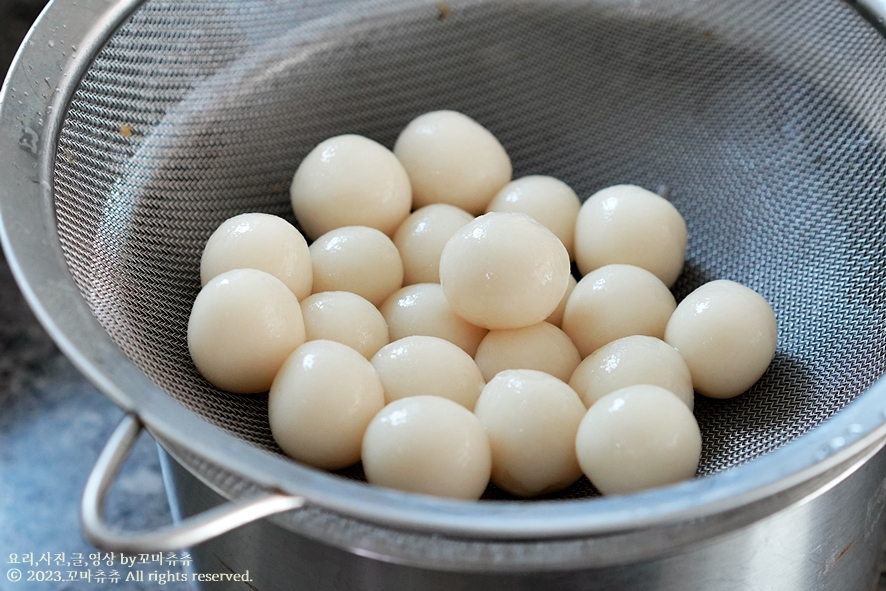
x: 188, y: 532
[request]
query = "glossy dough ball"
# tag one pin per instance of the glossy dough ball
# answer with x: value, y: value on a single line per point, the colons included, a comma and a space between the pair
x: 358, y: 259
x: 346, y: 318
x: 637, y: 438
x: 542, y: 347
x: 631, y: 361
x: 616, y: 301
x: 421, y: 238
x: 243, y: 325
x: 556, y: 317
x: 422, y: 309
x: 428, y: 366
x: 429, y: 445
x: 531, y: 419
x: 628, y: 224
x: 504, y: 270
x: 259, y: 241
x: 727, y: 334
x: 321, y: 403
x: 550, y: 201
x: 450, y: 158
x: 350, y: 180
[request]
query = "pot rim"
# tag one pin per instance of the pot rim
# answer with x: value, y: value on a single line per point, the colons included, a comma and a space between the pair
x: 27, y: 230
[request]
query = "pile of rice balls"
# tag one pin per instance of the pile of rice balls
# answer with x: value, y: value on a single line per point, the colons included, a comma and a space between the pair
x: 434, y: 331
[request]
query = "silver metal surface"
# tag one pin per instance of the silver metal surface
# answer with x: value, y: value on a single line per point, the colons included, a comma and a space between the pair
x: 764, y: 118
x: 184, y: 534
x: 441, y: 551
x: 876, y: 9
x: 830, y: 543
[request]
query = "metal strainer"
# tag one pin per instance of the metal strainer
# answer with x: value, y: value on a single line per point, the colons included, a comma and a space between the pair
x: 764, y: 120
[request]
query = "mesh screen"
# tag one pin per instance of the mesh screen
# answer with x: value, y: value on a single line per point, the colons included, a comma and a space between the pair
x: 765, y: 122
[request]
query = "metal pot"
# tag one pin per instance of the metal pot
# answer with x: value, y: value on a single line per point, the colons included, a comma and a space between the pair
x: 831, y: 541
x: 129, y: 130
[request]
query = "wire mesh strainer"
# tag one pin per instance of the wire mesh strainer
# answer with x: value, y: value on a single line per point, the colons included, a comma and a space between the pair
x: 766, y: 121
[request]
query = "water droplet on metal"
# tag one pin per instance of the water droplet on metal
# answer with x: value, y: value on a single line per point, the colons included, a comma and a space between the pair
x: 51, y: 43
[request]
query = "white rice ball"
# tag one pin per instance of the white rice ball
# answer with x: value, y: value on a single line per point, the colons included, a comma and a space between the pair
x: 346, y: 318
x: 727, y: 333
x: 637, y: 438
x: 350, y: 180
x: 542, y: 347
x: 358, y: 259
x: 421, y: 238
x: 422, y: 309
x: 243, y: 325
x: 531, y: 419
x: 616, y: 301
x: 504, y: 270
x: 450, y: 158
x: 631, y: 361
x: 629, y: 225
x: 429, y: 445
x: 548, y: 200
x: 428, y: 366
x: 259, y: 241
x: 321, y: 403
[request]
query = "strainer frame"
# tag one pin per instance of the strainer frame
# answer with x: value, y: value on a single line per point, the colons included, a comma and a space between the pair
x: 796, y: 471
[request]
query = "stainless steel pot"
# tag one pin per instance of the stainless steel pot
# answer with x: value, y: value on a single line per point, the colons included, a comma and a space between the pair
x: 829, y: 542
x: 129, y: 130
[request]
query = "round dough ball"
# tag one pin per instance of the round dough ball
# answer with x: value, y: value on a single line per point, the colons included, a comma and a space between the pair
x: 637, y: 438
x: 628, y: 224
x: 542, y: 347
x: 422, y: 309
x: 350, y: 180
x: 428, y: 366
x: 531, y: 419
x: 421, y: 238
x: 357, y: 259
x: 616, y: 301
x: 550, y: 201
x: 346, y: 318
x: 243, y: 325
x: 321, y: 403
x: 504, y: 270
x: 556, y: 317
x: 727, y: 334
x: 631, y: 361
x: 259, y: 241
x: 450, y: 158
x: 430, y: 445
